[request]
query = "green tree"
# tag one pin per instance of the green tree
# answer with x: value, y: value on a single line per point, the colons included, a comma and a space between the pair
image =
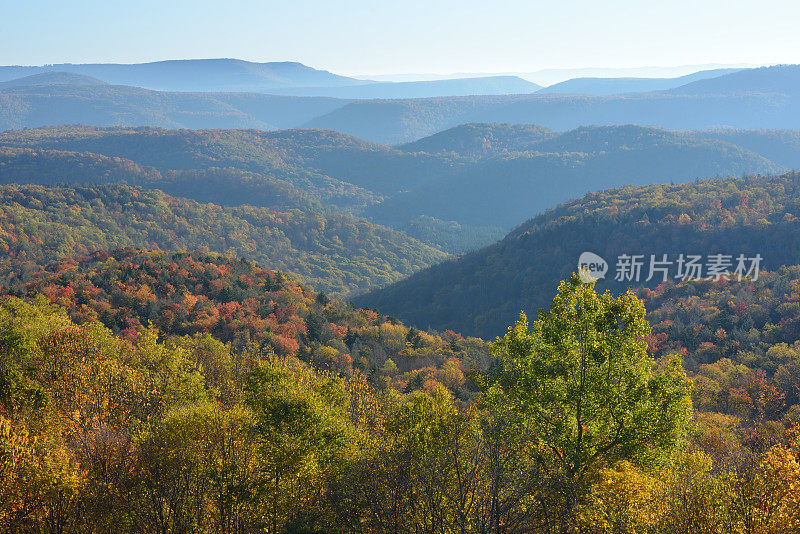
x: 582, y: 379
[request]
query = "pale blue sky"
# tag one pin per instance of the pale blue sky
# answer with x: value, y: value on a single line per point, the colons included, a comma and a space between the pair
x: 375, y: 37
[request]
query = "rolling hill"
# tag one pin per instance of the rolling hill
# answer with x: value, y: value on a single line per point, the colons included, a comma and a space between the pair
x: 780, y: 146
x: 311, y: 170
x: 52, y: 78
x: 338, y: 253
x: 36, y: 101
x: 302, y: 156
x: 229, y: 167
x: 225, y: 299
x: 224, y: 186
x: 480, y: 140
x: 482, y: 292
x: 504, y: 190
x: 480, y: 182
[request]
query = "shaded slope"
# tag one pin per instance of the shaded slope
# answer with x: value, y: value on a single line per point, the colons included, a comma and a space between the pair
x: 481, y: 293
x: 293, y: 155
x: 780, y: 146
x: 503, y: 191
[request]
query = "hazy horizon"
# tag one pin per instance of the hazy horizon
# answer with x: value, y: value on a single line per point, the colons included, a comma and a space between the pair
x: 357, y: 38
x: 544, y: 77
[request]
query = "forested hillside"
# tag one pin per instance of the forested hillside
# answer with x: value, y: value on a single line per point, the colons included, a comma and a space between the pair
x: 224, y: 299
x: 779, y: 146
x: 338, y: 253
x: 252, y: 403
x: 509, y: 188
x: 224, y: 186
x: 482, y: 140
x: 456, y: 191
x: 752, y: 324
x: 311, y: 158
x: 482, y: 292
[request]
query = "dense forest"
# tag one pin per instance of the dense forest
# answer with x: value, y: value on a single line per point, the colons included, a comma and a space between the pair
x: 478, y: 140
x: 512, y: 187
x: 338, y: 252
x: 468, y: 281
x: 456, y: 191
x: 234, y: 301
x: 779, y: 146
x: 481, y: 292
x: 153, y: 390
x: 176, y: 354
x: 192, y: 392
x: 231, y: 185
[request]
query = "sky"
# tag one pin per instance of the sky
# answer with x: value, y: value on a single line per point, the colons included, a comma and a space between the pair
x: 363, y: 37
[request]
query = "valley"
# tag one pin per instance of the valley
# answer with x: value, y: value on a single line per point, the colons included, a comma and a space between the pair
x: 243, y: 296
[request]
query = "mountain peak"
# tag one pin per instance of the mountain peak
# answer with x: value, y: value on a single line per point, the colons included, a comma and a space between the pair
x: 52, y: 78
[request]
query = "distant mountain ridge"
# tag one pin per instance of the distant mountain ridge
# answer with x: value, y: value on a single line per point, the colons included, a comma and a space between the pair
x: 195, y: 75
x: 778, y: 79
x: 765, y: 98
x: 485, y: 85
x: 611, y: 86
x: 279, y: 78
x: 763, y: 103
